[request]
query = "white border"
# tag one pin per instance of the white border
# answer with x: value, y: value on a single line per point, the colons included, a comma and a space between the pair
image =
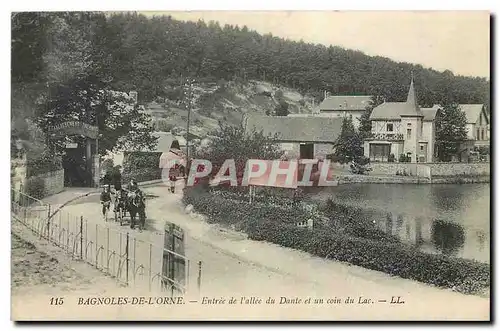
x: 146, y: 5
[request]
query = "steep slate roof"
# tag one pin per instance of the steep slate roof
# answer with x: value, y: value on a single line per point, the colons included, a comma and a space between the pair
x: 298, y: 129
x: 345, y: 102
x: 472, y: 112
x: 394, y: 110
x: 411, y: 107
x: 430, y: 113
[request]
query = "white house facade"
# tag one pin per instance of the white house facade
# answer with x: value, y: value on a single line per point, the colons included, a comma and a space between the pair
x: 402, y: 128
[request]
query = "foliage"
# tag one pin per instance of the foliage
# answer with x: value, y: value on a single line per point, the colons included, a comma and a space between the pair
x: 35, y: 187
x: 107, y: 165
x: 162, y: 125
x: 229, y: 142
x: 71, y: 79
x: 141, y: 166
x: 230, y: 208
x: 42, y: 165
x: 391, y: 158
x: 404, y: 158
x: 281, y: 108
x: 365, y: 124
x: 393, y: 258
x: 348, y: 145
x: 142, y: 174
x: 348, y: 240
x: 360, y: 165
x: 132, y: 45
x: 450, y: 131
x: 140, y: 160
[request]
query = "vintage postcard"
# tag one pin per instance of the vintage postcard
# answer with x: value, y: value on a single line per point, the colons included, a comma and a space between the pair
x: 193, y: 166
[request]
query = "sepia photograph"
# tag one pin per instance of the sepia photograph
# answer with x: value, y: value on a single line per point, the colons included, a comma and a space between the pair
x: 250, y: 166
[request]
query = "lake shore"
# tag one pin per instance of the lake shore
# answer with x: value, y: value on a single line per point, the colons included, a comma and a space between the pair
x: 375, y: 179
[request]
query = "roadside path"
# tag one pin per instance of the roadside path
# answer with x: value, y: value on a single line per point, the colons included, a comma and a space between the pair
x: 235, y: 266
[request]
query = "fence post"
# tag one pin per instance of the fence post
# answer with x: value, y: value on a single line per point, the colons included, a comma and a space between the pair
x: 48, y: 223
x: 96, y: 247
x: 199, y: 276
x: 81, y: 237
x: 126, y: 260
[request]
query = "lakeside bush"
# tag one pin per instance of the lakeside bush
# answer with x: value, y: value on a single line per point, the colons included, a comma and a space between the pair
x: 353, y: 242
x: 461, y: 275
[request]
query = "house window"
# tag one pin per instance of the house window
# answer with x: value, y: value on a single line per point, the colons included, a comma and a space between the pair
x: 390, y: 127
x: 408, y: 133
x: 481, y: 119
x: 408, y: 125
x: 421, y: 147
x: 477, y: 134
x: 482, y: 134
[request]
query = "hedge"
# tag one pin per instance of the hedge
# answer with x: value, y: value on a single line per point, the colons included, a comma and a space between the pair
x: 141, y: 175
x: 277, y: 225
x: 43, y: 165
x: 35, y: 187
x: 141, y: 166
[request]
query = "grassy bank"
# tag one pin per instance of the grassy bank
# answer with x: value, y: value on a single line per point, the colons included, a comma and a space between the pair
x: 339, y: 233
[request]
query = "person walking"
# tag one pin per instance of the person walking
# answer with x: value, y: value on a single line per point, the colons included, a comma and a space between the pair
x: 173, y: 179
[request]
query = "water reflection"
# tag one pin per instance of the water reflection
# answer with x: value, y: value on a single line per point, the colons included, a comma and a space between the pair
x: 447, y: 237
x: 441, y: 219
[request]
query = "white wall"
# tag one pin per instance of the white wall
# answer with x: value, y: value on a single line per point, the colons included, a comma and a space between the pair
x: 429, y: 134
x: 322, y: 150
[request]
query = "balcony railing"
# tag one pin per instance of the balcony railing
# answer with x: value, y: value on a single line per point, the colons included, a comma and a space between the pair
x: 386, y: 136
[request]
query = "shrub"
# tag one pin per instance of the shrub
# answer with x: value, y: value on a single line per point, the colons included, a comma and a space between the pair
x: 142, y: 175
x: 404, y: 158
x: 395, y: 259
x: 35, y: 187
x: 277, y: 225
x: 391, y: 158
x: 42, y: 165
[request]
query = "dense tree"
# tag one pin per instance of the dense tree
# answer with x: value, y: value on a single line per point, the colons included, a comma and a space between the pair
x: 450, y: 131
x: 143, y: 53
x: 58, y: 56
x: 349, y: 145
x: 70, y: 80
x: 365, y: 125
x: 229, y: 142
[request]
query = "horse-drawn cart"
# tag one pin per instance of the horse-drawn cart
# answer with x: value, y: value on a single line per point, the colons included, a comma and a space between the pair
x: 133, y: 204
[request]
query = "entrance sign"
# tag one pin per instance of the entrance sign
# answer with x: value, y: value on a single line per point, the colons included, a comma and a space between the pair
x: 76, y: 128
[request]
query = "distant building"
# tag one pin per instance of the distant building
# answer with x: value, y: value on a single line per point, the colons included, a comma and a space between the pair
x: 299, y: 137
x: 402, y: 128
x: 345, y: 105
x: 478, y: 124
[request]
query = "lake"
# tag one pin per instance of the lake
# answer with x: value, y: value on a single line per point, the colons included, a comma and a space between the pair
x: 436, y: 218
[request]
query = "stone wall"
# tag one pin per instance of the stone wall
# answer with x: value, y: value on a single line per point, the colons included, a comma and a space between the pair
x: 454, y: 169
x: 431, y: 169
x: 53, y: 181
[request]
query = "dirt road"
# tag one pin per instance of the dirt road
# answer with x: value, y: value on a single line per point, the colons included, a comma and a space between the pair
x: 235, y: 266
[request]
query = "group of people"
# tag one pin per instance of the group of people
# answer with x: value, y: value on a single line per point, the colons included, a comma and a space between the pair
x: 120, y: 193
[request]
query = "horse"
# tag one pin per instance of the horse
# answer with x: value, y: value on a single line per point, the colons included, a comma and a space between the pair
x: 120, y: 205
x: 136, y: 206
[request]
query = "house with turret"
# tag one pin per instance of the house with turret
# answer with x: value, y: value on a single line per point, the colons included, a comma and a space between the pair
x: 402, y: 128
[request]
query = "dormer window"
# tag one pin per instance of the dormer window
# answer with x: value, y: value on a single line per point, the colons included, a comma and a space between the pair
x: 390, y: 127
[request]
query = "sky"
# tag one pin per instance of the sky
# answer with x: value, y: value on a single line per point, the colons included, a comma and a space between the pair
x: 455, y: 40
